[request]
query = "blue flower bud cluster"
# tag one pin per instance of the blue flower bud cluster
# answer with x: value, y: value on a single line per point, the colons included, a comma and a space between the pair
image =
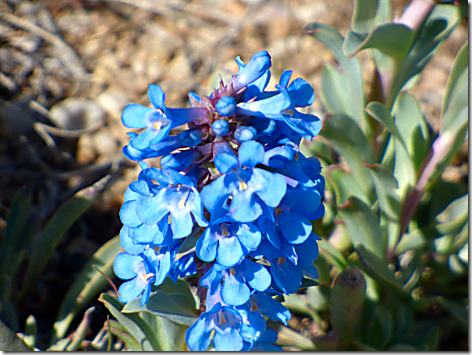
x: 232, y: 178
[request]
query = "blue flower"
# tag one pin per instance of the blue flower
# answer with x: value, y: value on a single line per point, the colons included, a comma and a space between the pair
x: 251, y: 188
x: 226, y: 323
x: 256, y: 68
x: 176, y: 196
x: 140, y: 271
x: 158, y: 121
x: 227, y: 241
x: 238, y: 282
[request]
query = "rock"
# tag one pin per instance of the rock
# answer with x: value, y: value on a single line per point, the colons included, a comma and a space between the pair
x: 77, y: 113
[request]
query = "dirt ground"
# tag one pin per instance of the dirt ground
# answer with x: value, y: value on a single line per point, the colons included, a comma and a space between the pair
x: 68, y: 65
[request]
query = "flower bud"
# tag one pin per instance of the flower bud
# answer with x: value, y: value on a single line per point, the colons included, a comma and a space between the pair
x: 221, y: 127
x: 226, y: 106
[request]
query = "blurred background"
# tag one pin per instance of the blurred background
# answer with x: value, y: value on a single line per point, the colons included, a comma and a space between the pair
x: 69, y: 67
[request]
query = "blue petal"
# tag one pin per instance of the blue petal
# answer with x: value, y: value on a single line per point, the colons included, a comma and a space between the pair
x: 285, y: 78
x: 257, y: 66
x: 229, y: 251
x: 151, y: 209
x: 130, y: 290
x: 234, y: 291
x: 286, y: 275
x: 228, y: 340
x: 156, y: 96
x: 271, y: 187
x: 206, y: 245
x: 249, y: 235
x: 163, y: 267
x: 130, y: 194
x: 215, y: 194
x: 220, y: 127
x: 146, y: 294
x: 225, y: 162
x: 127, y: 266
x: 145, y: 233
x: 301, y: 93
x: 127, y: 243
x: 256, y: 275
x: 267, y: 108
x: 128, y: 214
x: 140, y: 187
x: 295, y: 228
x: 212, y: 278
x: 143, y: 140
x: 181, y: 223
x: 307, y: 252
x: 250, y: 154
x: 136, y: 116
x: 244, y: 207
x: 197, y: 209
x: 197, y: 336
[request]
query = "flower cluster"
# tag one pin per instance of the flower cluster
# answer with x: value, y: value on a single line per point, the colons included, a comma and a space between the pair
x: 231, y: 173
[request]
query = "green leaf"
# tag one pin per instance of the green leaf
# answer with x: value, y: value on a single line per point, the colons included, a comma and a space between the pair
x: 380, y: 328
x: 386, y: 187
x: 458, y: 311
x: 332, y: 255
x: 454, y: 216
x: 454, y: 116
x: 119, y: 331
x: 55, y: 229
x: 318, y: 297
x: 461, y: 63
x: 188, y: 246
x: 348, y: 140
x: 381, y: 114
x: 402, y: 347
x: 412, y: 127
x: 297, y: 303
x: 437, y: 27
x: 392, y: 38
x: 133, y: 324
x: 180, y: 286
x: 344, y: 185
x: 5, y: 287
x: 362, y: 226
x: 9, y: 341
x: 79, y: 334
x: 369, y: 13
x: 86, y: 286
x: 169, y: 335
x: 341, y: 90
x: 175, y: 307
x: 378, y: 270
x: 345, y: 304
x: 31, y: 331
x: 13, y: 233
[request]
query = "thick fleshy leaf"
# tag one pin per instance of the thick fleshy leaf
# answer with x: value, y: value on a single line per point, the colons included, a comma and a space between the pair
x: 439, y: 24
x: 458, y: 67
x: 363, y: 227
x: 336, y: 83
x: 349, y: 141
x: 392, y: 38
x: 369, y: 13
x: 171, y: 306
